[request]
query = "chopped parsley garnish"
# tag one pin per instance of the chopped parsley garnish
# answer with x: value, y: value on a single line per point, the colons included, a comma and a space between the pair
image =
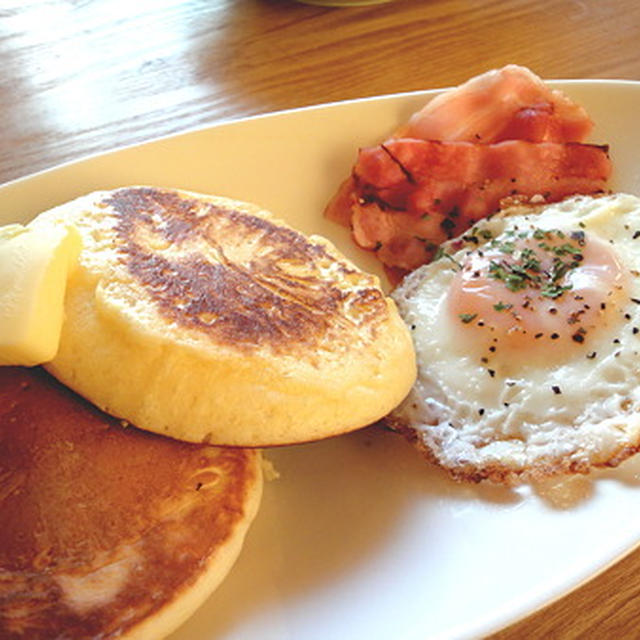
x: 561, y: 250
x: 467, y: 317
x: 530, y: 260
x: 554, y: 290
x: 514, y: 276
x: 506, y: 247
x: 524, y: 270
x: 441, y: 253
x: 501, y: 306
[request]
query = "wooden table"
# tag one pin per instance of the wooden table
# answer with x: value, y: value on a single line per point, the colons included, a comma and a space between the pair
x: 89, y: 75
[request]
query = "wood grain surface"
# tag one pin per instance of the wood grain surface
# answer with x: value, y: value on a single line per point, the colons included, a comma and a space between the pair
x: 84, y: 76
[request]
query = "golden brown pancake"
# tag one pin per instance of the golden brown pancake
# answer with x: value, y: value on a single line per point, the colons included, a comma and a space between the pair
x: 207, y: 319
x: 109, y: 531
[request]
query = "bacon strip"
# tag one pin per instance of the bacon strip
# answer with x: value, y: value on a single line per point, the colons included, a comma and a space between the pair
x: 499, y: 134
x: 414, y: 194
x: 511, y: 103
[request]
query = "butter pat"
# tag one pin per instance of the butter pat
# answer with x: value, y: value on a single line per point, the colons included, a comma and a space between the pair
x: 34, y: 265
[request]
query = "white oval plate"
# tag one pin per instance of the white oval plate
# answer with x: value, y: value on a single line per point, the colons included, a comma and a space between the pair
x: 359, y: 538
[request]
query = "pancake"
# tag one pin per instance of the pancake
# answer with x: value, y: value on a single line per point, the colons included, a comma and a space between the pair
x: 109, y: 531
x: 209, y: 320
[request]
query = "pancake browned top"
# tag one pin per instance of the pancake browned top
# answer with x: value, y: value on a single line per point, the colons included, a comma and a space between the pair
x: 210, y: 320
x: 238, y: 277
x: 102, y: 526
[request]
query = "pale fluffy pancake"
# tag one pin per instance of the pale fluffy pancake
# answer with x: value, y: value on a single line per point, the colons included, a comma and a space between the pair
x: 109, y: 531
x: 209, y: 320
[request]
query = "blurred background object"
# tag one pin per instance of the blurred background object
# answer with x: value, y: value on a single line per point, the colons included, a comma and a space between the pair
x: 343, y: 3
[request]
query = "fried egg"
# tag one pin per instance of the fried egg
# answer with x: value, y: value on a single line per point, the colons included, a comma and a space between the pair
x: 527, y: 335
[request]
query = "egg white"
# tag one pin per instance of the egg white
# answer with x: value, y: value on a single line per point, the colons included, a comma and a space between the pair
x: 527, y: 417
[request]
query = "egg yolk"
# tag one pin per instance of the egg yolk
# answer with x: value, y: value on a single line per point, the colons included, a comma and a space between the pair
x: 537, y: 294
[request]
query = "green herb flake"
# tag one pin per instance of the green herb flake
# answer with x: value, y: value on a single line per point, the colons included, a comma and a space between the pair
x: 524, y: 267
x: 441, y: 253
x: 506, y: 247
x: 565, y: 249
x: 514, y: 276
x: 467, y: 317
x: 530, y: 260
x: 553, y: 290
